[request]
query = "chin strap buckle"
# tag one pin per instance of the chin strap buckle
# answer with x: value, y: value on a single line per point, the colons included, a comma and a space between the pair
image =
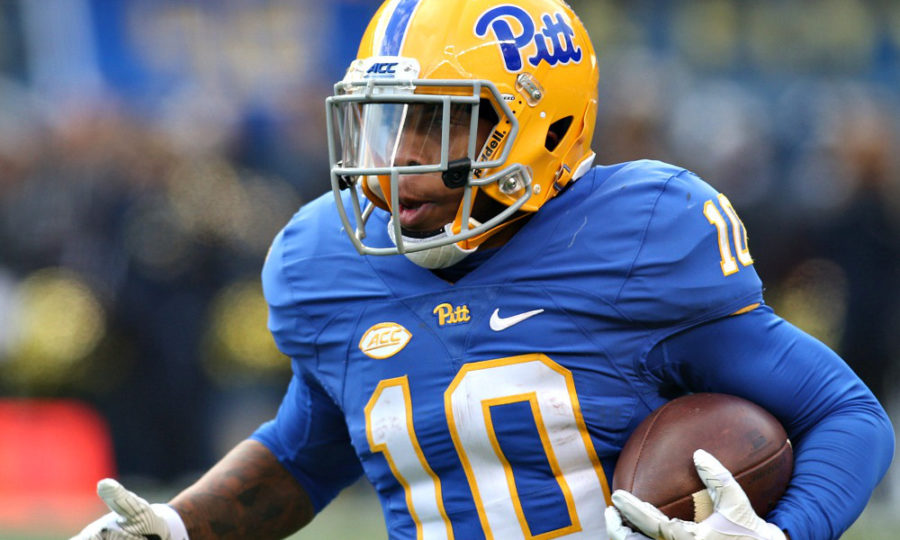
x: 557, y: 187
x: 344, y: 182
x: 457, y: 173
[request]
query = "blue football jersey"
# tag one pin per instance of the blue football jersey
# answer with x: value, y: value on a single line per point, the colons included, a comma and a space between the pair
x: 499, y: 402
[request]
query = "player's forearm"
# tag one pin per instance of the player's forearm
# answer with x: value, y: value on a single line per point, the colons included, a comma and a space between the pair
x: 248, y: 494
x: 841, y: 459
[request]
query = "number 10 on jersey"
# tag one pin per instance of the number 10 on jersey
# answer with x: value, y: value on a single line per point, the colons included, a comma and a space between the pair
x: 549, y: 391
x: 738, y: 234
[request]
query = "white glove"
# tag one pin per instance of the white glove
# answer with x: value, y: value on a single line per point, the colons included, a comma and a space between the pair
x: 132, y: 518
x: 733, y: 517
x: 617, y: 530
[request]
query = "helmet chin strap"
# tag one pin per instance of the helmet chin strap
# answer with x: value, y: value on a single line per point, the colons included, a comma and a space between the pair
x: 432, y: 258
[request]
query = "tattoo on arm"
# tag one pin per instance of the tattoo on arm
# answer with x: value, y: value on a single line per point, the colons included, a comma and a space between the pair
x: 248, y: 494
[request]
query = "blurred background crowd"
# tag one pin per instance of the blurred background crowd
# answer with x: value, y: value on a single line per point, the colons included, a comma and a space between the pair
x: 151, y: 149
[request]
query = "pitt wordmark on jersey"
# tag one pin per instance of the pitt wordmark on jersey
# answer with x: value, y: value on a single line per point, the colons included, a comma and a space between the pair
x: 495, y: 406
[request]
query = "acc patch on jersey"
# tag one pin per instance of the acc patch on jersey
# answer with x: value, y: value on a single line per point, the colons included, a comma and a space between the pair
x: 384, y: 340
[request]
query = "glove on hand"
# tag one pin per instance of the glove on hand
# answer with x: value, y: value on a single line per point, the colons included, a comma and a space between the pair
x: 733, y: 517
x: 617, y: 530
x: 132, y: 518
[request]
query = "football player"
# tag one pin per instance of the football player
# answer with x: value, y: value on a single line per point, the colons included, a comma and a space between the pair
x: 478, y: 317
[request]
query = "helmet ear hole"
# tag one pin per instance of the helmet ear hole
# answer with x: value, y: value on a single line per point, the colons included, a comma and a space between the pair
x: 556, y: 132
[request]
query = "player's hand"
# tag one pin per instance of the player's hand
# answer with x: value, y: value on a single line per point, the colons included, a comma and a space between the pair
x: 132, y: 518
x: 733, y: 517
x: 617, y: 530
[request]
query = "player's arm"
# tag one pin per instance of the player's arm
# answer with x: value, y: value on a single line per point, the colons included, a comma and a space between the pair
x: 843, y: 439
x: 248, y: 494
x: 266, y: 487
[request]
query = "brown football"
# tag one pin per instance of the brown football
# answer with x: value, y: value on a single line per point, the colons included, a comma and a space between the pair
x: 657, y: 465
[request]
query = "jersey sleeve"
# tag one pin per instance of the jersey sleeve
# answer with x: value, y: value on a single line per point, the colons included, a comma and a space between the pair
x: 692, y: 263
x: 289, y: 324
x: 843, y: 440
x: 309, y: 438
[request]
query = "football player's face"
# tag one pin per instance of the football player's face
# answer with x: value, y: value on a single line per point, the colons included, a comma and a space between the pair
x: 426, y: 204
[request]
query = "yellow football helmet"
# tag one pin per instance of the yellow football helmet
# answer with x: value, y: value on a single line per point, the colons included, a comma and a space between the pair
x: 526, y: 65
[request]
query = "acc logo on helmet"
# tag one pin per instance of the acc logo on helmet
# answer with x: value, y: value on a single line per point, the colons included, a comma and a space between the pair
x: 384, y: 67
x: 553, y: 40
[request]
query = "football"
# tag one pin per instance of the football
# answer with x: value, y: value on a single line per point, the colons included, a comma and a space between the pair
x: 656, y: 464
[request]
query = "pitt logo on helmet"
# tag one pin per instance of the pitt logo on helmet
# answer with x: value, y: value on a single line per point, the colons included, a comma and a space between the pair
x: 384, y: 340
x: 552, y: 42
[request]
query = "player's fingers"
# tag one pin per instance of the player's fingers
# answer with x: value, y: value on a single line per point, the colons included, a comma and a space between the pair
x: 711, y: 469
x: 720, y: 483
x: 642, y: 515
x: 121, y: 501
x: 676, y: 529
x: 110, y: 534
x: 650, y: 520
x: 106, y: 530
x: 618, y: 530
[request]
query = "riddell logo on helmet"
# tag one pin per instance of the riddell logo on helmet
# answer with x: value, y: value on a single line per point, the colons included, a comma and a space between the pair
x: 494, y: 142
x: 552, y: 42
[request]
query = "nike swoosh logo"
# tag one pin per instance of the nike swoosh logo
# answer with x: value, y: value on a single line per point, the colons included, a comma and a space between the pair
x: 499, y: 323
